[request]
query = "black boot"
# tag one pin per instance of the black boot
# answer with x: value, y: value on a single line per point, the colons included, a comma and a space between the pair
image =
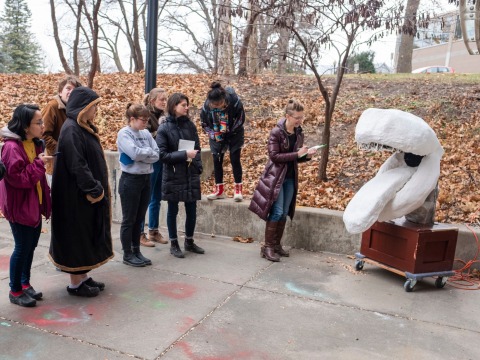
x: 139, y: 255
x: 191, y: 246
x: 175, y: 249
x: 130, y: 259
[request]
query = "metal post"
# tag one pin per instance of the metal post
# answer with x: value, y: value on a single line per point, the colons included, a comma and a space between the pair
x: 151, y: 57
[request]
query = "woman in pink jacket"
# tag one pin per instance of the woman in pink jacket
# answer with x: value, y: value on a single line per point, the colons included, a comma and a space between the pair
x: 24, y: 196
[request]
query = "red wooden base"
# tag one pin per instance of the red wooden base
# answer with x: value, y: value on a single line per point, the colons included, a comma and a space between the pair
x: 411, y: 247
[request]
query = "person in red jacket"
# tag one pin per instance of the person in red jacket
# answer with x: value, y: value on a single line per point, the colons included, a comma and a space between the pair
x: 285, y: 151
x: 24, y: 196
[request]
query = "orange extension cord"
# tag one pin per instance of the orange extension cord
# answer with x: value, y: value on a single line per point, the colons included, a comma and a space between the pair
x: 467, y: 278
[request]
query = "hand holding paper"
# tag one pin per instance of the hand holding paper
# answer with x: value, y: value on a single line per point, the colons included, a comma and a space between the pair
x: 312, y: 150
x: 316, y: 147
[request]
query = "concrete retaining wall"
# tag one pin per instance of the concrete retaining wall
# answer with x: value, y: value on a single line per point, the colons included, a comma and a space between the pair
x: 312, y: 229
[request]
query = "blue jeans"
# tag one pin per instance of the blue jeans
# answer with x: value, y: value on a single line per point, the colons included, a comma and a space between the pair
x: 134, y: 193
x: 26, y: 240
x: 280, y: 207
x: 155, y: 197
x: 190, y: 219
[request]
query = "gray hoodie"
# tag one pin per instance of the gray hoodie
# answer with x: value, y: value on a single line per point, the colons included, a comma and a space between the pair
x: 140, y: 147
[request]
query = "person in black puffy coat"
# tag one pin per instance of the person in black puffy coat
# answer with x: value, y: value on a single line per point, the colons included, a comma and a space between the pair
x: 181, y: 170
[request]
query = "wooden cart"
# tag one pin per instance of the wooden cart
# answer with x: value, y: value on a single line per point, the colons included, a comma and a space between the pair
x: 411, y: 250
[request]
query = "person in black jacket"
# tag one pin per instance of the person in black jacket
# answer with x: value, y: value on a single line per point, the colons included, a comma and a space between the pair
x: 182, y: 167
x: 222, y: 118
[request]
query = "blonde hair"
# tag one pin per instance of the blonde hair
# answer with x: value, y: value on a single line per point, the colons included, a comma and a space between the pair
x: 293, y: 105
x: 136, y: 111
x: 152, y: 95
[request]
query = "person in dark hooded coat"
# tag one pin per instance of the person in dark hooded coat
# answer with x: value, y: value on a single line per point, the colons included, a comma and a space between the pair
x: 81, y: 223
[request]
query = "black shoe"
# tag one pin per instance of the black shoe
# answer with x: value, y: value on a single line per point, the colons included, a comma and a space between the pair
x: 191, y: 246
x: 84, y: 290
x: 92, y: 283
x: 30, y: 291
x: 139, y: 255
x: 175, y: 249
x: 130, y: 259
x: 22, y: 300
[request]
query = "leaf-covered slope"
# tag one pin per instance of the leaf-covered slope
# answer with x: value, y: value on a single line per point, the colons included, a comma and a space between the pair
x: 450, y: 104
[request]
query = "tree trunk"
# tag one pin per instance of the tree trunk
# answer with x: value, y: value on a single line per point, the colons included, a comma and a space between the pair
x: 242, y: 67
x: 224, y: 41
x: 95, y: 56
x: 253, y: 56
x: 76, y: 65
x: 405, y: 46
x: 282, y: 46
x: 139, y: 64
x: 58, y: 43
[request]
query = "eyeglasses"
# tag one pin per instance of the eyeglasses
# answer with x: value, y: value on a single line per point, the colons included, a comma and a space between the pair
x: 301, y: 117
x: 40, y: 123
x: 142, y: 119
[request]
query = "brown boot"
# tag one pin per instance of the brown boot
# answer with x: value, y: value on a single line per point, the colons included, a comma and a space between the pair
x: 268, y: 251
x: 145, y: 242
x: 155, y: 236
x: 278, y: 239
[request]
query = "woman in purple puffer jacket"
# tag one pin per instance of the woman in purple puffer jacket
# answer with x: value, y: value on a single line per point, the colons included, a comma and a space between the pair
x: 24, y: 196
x: 275, y: 195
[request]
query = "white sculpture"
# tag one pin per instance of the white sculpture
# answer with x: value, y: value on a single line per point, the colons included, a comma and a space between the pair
x: 397, y: 189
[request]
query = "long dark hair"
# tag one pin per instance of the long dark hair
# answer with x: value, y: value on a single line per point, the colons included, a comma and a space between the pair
x: 174, y: 100
x: 21, y: 119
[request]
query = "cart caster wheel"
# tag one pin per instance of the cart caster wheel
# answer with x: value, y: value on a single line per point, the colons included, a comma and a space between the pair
x: 409, y: 284
x: 359, y: 265
x: 440, y: 282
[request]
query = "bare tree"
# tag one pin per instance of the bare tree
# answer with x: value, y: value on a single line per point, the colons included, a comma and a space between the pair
x: 188, y: 22
x: 129, y: 26
x: 256, y: 8
x: 93, y: 22
x: 336, y: 25
x: 223, y: 42
x: 407, y: 35
x: 56, y: 36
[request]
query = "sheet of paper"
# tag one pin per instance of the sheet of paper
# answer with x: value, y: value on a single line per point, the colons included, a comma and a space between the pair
x: 186, y: 145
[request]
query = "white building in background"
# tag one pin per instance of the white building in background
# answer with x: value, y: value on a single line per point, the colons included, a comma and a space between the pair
x: 442, y: 44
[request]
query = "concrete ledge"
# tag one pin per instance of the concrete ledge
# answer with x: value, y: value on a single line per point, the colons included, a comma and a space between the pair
x: 312, y: 229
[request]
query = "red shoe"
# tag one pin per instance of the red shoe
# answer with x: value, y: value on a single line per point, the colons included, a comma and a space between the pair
x: 238, y: 193
x: 218, y: 193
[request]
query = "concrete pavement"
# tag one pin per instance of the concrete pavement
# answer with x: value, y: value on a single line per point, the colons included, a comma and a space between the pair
x: 231, y: 304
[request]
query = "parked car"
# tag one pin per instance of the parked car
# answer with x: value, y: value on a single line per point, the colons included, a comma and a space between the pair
x: 434, y: 70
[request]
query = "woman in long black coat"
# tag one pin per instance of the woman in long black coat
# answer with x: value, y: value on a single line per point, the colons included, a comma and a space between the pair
x: 181, y: 171
x: 81, y: 238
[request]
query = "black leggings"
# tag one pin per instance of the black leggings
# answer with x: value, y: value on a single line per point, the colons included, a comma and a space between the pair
x: 236, y: 166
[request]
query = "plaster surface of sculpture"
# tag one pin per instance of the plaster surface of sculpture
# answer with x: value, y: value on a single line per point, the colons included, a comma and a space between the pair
x: 397, y: 189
